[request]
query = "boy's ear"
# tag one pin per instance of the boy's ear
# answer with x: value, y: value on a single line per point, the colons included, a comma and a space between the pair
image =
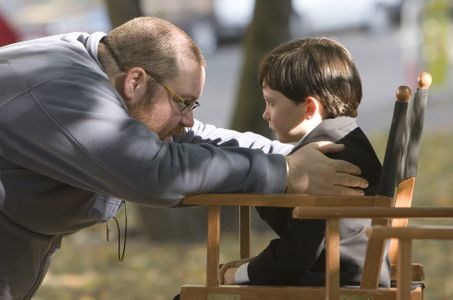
x: 313, y: 107
x: 132, y: 86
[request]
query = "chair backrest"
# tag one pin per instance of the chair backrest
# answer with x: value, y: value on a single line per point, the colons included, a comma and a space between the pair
x: 407, y: 172
x: 400, y: 165
x: 396, y: 144
x: 401, y: 155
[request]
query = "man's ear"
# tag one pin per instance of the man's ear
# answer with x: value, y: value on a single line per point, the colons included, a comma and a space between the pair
x: 132, y: 85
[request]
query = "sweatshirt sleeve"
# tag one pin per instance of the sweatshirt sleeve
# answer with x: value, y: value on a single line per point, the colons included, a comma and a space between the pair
x: 76, y: 129
x: 205, y: 133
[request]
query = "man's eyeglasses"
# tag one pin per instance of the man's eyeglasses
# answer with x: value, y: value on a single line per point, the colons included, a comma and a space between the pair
x: 185, y: 105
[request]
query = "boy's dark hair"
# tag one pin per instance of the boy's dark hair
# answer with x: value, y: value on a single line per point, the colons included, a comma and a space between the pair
x: 318, y: 67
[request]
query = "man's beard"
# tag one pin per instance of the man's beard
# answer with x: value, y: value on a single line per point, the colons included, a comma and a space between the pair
x: 141, y: 112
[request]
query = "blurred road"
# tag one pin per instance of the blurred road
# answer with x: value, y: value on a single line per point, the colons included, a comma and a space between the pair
x: 380, y: 63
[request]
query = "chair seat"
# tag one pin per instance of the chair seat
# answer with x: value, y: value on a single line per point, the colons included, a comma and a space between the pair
x: 250, y: 292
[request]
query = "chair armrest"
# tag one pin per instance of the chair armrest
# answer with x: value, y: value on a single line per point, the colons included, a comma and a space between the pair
x: 411, y: 232
x: 285, y: 200
x: 374, y: 212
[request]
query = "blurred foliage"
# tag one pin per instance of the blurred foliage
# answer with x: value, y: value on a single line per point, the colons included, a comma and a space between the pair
x: 87, y: 268
x: 436, y: 35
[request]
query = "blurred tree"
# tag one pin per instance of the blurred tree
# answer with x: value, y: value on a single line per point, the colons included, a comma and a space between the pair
x: 269, y: 27
x: 121, y: 11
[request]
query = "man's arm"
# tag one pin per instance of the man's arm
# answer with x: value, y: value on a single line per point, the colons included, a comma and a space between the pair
x: 308, y: 169
x: 202, y: 133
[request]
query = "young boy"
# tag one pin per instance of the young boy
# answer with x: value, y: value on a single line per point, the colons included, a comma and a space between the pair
x: 312, y: 89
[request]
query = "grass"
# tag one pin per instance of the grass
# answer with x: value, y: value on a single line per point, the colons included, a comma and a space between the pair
x: 86, y: 268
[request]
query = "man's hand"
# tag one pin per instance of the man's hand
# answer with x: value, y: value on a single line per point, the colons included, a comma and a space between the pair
x: 227, y: 272
x: 310, y: 171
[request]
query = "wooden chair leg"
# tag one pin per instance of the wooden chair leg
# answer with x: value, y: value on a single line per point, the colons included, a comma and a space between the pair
x: 213, y: 246
x: 244, y: 231
x: 404, y: 269
x: 332, y: 259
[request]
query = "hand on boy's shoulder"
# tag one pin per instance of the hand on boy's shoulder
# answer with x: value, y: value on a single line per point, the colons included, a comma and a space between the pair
x: 311, y: 171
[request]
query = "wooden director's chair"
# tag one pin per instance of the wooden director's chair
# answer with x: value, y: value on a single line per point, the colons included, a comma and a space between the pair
x: 388, y: 210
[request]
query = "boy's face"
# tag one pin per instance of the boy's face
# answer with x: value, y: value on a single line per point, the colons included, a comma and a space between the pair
x: 286, y: 118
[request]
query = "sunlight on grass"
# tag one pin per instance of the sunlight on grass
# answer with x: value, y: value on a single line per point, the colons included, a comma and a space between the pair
x: 86, y: 268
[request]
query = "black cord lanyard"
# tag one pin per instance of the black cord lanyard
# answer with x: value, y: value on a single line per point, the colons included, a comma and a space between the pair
x: 107, y: 232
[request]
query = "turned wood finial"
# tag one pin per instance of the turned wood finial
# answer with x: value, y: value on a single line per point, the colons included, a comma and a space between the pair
x: 403, y: 93
x: 424, y: 80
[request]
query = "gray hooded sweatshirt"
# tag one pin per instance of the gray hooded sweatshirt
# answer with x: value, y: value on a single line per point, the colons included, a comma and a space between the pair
x: 69, y: 151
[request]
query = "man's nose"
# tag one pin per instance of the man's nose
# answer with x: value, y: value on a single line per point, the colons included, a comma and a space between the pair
x: 187, y: 119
